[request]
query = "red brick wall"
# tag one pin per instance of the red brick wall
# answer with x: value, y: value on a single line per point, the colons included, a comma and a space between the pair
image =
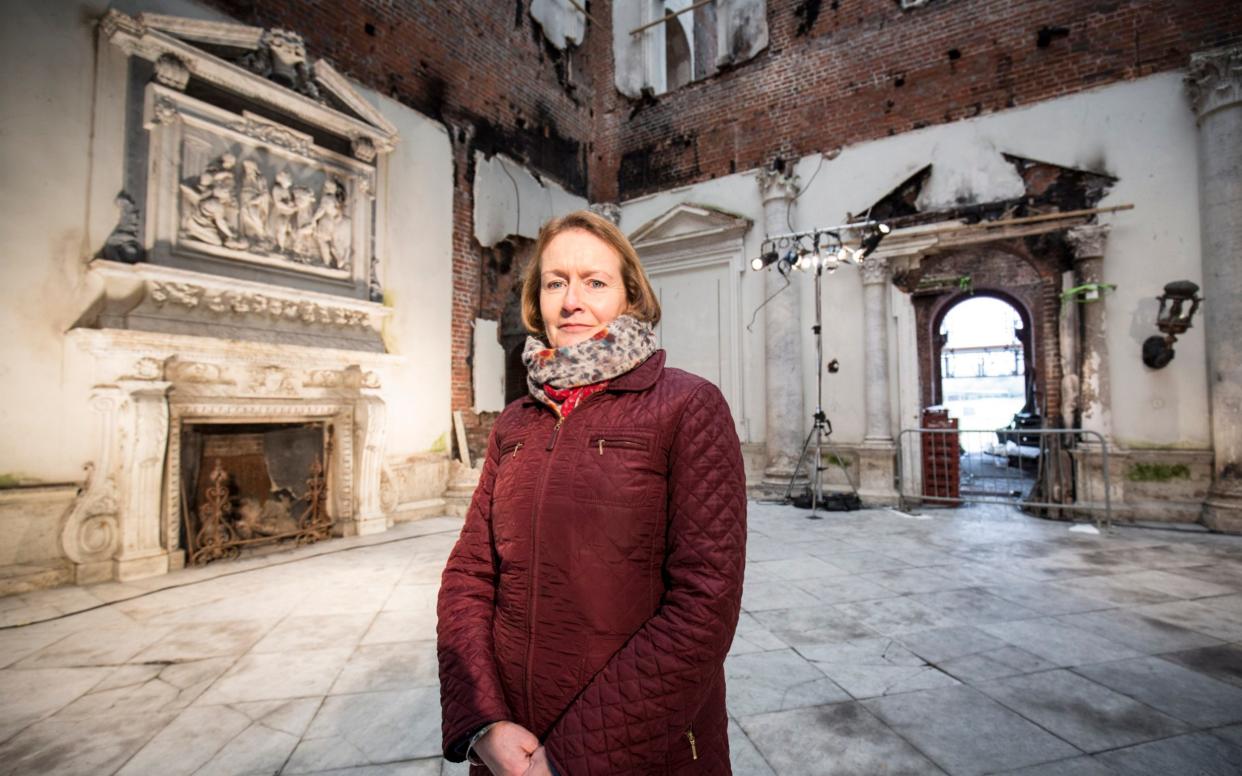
x: 484, y: 69
x: 867, y: 69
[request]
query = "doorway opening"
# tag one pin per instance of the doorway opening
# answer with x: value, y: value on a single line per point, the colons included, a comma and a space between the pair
x: 983, y: 376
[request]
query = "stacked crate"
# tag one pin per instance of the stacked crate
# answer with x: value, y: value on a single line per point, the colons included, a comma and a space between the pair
x: 941, y: 460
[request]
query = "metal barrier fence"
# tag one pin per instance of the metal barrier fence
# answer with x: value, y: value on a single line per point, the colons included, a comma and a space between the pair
x: 1055, y: 472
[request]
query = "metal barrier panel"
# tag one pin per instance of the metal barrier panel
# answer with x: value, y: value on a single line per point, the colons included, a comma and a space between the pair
x: 1057, y: 472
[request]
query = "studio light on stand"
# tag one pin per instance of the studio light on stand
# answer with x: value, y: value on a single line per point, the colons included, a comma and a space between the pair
x: 819, y: 251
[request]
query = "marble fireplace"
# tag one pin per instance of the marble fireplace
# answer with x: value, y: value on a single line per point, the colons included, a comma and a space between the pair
x: 240, y: 288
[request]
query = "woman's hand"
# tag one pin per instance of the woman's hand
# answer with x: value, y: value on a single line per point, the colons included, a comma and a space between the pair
x: 539, y: 764
x: 506, y: 749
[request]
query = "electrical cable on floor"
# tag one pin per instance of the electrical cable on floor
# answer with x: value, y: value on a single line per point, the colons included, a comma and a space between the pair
x: 221, y: 575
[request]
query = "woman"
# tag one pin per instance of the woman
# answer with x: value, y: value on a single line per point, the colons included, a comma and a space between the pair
x: 586, y: 610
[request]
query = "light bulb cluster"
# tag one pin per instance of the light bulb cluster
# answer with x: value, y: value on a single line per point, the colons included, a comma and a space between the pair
x: 821, y: 250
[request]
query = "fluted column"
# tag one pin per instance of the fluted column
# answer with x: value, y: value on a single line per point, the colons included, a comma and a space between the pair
x: 144, y: 427
x: 782, y: 343
x: 875, y: 278
x: 1215, y: 86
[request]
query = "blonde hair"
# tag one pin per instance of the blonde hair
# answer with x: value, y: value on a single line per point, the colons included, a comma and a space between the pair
x: 640, y: 298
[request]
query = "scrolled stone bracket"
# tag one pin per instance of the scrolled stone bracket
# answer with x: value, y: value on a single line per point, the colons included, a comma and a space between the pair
x: 1214, y: 79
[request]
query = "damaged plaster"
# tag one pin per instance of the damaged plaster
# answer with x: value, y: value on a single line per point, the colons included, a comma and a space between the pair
x: 639, y: 59
x: 488, y: 364
x: 562, y: 24
x: 510, y: 201
x: 969, y: 173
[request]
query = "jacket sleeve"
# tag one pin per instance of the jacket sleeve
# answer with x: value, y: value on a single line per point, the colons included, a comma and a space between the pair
x: 649, y: 692
x: 470, y: 691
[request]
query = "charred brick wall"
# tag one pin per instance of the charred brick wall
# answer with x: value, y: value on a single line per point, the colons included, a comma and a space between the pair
x: 485, y: 70
x: 846, y: 71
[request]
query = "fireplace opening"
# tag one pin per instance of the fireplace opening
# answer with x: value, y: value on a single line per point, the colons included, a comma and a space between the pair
x: 250, y: 485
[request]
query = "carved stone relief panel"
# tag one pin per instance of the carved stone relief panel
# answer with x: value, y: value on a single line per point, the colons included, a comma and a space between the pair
x: 245, y: 188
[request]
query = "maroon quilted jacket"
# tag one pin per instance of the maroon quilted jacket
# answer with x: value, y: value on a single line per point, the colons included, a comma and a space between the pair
x: 596, y: 584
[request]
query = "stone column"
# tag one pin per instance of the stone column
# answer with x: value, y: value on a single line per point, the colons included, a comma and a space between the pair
x: 875, y: 277
x: 370, y: 425
x: 1087, y: 243
x: 786, y: 418
x: 145, y: 441
x: 1215, y: 86
x: 877, y: 454
x: 1094, y: 395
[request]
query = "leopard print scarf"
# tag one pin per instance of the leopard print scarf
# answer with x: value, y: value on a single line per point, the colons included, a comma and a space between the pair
x: 614, y: 350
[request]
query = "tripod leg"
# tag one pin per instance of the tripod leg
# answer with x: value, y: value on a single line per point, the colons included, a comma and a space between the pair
x: 805, y: 446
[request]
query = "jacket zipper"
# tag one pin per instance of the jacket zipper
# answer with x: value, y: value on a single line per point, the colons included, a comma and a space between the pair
x: 534, y: 561
x: 617, y: 443
x: 694, y: 750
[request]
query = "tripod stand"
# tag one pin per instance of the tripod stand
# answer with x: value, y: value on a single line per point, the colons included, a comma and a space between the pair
x: 822, y: 427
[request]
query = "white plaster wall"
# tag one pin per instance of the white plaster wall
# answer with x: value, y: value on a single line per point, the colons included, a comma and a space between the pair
x: 416, y: 254
x: 488, y: 367
x: 510, y: 200
x: 56, y: 208
x: 1141, y: 132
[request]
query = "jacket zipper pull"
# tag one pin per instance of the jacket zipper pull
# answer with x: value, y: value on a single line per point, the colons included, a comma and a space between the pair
x: 555, y: 430
x: 516, y: 447
x: 694, y: 751
x: 601, y: 446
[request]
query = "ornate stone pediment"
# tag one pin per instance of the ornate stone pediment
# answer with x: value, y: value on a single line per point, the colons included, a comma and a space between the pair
x: 253, y: 161
x: 230, y: 56
x: 684, y: 221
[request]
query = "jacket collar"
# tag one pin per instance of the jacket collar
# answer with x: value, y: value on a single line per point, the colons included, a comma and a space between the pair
x: 640, y: 378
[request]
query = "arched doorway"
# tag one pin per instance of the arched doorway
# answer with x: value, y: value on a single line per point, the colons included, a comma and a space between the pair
x: 983, y: 359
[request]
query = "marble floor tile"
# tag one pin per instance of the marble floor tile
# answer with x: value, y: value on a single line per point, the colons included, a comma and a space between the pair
x: 369, y: 729
x: 187, y: 743
x: 993, y: 664
x: 1058, y: 643
x: 401, y: 625
x: 762, y: 596
x: 807, y: 626
x: 272, y: 676
x: 964, y: 732
x: 751, y: 636
x: 1088, y: 715
x: 776, y: 681
x: 743, y: 756
x: 1198, y: 616
x: 1200, y: 754
x: 32, y: 694
x: 195, y: 641
x: 862, y: 562
x: 1144, y: 634
x: 1223, y: 663
x: 940, y: 644
x: 893, y: 616
x: 1049, y: 600
x: 392, y: 666
x: 1074, y: 766
x: 1172, y: 689
x: 974, y: 605
x: 792, y: 569
x: 294, y: 634
x: 839, y: 740
x: 80, y: 747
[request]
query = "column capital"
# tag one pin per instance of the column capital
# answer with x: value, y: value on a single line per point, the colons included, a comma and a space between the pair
x: 1214, y: 79
x: 1087, y: 241
x: 874, y: 270
x: 776, y: 185
x: 609, y: 210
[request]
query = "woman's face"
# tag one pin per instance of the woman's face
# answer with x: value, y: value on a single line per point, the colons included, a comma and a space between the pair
x: 580, y: 287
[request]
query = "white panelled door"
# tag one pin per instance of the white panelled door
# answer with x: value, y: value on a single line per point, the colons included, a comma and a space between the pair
x: 693, y: 257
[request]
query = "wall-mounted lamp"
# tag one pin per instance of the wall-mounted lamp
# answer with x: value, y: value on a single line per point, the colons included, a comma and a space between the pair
x: 1173, y: 319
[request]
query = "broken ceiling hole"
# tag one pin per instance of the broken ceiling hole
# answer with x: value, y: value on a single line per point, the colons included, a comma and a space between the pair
x: 807, y: 12
x: 1045, y: 36
x: 899, y: 81
x: 369, y: 28
x: 954, y: 55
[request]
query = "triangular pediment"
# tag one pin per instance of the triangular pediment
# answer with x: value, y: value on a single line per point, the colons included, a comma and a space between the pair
x: 269, y: 66
x: 688, y: 220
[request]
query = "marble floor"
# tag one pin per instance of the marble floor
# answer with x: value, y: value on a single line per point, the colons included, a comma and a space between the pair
x: 955, y: 641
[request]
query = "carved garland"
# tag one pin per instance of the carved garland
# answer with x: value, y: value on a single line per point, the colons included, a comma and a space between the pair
x: 238, y: 303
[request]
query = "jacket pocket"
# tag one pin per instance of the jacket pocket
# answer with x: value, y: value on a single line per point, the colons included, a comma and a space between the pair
x: 618, y: 467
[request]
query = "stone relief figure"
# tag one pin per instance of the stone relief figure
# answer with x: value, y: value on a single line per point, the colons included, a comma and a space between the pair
x: 125, y: 243
x: 256, y: 204
x: 332, y: 227
x: 304, y: 223
x: 278, y: 218
x: 281, y: 57
x: 280, y: 222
